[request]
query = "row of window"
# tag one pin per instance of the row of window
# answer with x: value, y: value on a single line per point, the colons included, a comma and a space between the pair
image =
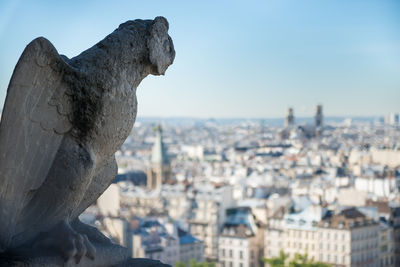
x: 332, y: 258
x: 364, y: 235
x: 190, y: 249
x: 364, y: 246
x: 387, y: 261
x: 312, y: 246
x: 364, y: 257
x: 325, y: 258
x: 231, y: 264
x: 229, y: 253
x: 313, y: 235
x: 230, y: 241
x: 334, y: 247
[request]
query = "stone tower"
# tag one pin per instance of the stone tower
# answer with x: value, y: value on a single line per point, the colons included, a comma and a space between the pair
x: 289, y: 117
x: 159, y: 170
x: 319, y: 117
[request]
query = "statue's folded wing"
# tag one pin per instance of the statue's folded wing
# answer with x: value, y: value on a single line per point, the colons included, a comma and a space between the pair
x: 36, y: 115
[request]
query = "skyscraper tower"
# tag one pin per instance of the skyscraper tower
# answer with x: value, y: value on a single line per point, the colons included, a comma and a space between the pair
x: 289, y: 117
x: 319, y: 117
x: 159, y: 170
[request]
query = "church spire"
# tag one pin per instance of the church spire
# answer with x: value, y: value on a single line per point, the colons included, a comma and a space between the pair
x: 159, y: 170
x: 159, y: 154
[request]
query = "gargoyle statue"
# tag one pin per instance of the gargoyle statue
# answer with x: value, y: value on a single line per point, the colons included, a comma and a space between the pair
x: 62, y: 123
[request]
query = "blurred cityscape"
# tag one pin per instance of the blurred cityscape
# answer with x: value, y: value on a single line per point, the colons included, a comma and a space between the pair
x: 235, y: 192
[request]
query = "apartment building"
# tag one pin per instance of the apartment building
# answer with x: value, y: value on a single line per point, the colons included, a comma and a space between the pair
x: 348, y: 238
x: 208, y: 208
x: 241, y: 240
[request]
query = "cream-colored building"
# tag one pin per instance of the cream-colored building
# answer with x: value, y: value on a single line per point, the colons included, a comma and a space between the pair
x: 109, y: 202
x: 386, y: 245
x: 169, y: 199
x: 240, y: 243
x: 141, y: 202
x: 118, y: 229
x: 239, y: 247
x: 293, y: 232
x: 175, y: 201
x: 152, y: 240
x: 207, y: 214
x: 190, y: 248
x: 274, y: 234
x: 387, y: 157
x: 348, y: 238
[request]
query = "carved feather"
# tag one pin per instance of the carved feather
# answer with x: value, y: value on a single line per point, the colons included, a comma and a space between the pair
x: 34, y: 120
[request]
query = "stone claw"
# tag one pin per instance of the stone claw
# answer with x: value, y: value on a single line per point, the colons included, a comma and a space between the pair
x: 91, y: 233
x: 80, y: 248
x: 91, y: 250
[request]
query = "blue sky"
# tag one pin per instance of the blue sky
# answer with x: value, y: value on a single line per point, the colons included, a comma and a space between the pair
x: 236, y: 58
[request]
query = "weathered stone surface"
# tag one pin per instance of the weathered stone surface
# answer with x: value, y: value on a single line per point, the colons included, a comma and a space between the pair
x: 142, y: 263
x: 107, y: 255
x: 62, y: 122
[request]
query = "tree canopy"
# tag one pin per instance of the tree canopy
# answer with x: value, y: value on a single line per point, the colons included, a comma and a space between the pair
x: 298, y: 260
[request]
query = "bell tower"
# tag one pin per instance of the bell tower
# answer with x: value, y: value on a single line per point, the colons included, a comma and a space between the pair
x: 159, y: 170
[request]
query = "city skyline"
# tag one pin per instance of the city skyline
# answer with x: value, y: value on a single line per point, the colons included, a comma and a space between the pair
x: 243, y: 192
x: 245, y: 61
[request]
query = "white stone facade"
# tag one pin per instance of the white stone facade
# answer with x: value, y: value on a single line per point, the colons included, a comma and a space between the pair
x: 239, y: 252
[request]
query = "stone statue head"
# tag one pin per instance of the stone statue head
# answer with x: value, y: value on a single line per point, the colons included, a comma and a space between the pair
x: 161, y: 48
x: 143, y: 42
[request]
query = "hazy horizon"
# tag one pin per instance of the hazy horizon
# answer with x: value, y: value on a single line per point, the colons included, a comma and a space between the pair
x: 257, y: 118
x: 234, y: 59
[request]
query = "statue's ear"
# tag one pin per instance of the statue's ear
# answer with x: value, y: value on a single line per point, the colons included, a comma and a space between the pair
x: 160, y: 46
